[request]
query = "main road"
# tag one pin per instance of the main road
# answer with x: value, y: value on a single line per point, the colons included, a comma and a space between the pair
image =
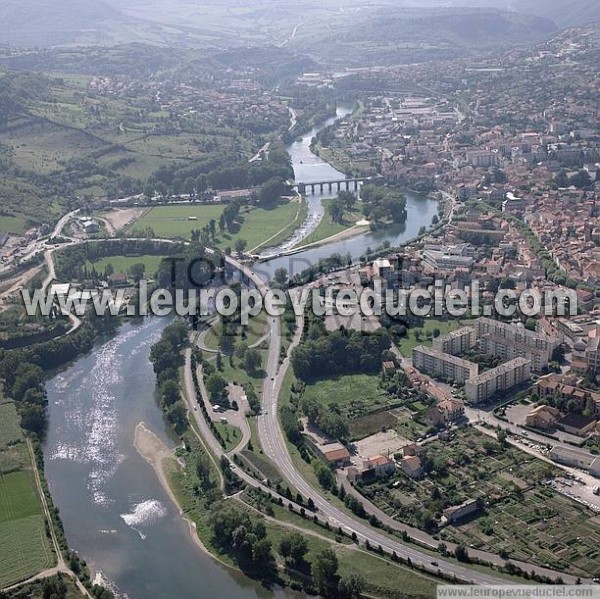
x: 275, y: 448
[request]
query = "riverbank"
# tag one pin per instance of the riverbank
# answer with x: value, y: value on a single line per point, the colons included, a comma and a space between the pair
x: 357, y: 229
x: 165, y: 464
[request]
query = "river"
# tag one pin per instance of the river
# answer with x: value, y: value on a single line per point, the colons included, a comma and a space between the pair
x: 115, y: 512
x: 310, y: 168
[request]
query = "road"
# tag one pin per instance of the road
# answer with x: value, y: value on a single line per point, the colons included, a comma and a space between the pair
x: 275, y: 448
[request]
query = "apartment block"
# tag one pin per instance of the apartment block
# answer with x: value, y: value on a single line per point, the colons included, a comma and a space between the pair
x: 510, y: 341
x: 484, y: 386
x: 456, y: 342
x: 437, y: 363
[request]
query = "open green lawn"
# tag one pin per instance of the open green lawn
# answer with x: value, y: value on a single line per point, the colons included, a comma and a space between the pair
x: 410, y: 341
x: 124, y: 263
x: 230, y: 434
x: 24, y: 547
x: 327, y: 228
x: 258, y: 226
x: 354, y: 394
x: 12, y: 224
x: 262, y: 227
x: 174, y: 221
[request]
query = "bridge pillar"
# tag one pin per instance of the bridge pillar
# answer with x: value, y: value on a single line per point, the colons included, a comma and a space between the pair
x: 330, y: 186
x: 339, y: 185
x: 347, y: 185
x: 312, y: 189
x: 355, y: 185
x: 322, y: 185
x: 302, y: 188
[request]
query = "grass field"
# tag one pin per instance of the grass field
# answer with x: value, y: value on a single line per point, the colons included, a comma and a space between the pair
x: 261, y: 226
x: 173, y: 221
x: 231, y: 435
x: 12, y: 224
x: 327, y: 228
x: 408, y: 343
x: 258, y: 226
x: 24, y: 547
x: 354, y: 394
x: 124, y: 263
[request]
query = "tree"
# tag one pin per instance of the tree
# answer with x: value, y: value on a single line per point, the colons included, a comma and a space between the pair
x: 169, y: 392
x: 252, y: 360
x: 324, y: 474
x: 348, y: 199
x: 336, y: 211
x: 324, y: 571
x: 294, y: 547
x: 137, y: 271
x: 271, y: 191
x: 352, y: 585
x: 280, y: 278
x: 461, y: 553
x: 240, y: 245
x: 502, y: 436
x: 216, y: 385
x: 261, y: 551
x: 241, y: 347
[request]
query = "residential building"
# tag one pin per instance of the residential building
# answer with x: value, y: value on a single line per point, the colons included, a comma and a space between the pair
x: 457, y: 512
x: 456, y: 342
x: 412, y: 466
x: 511, y: 341
x: 504, y: 377
x: 448, y: 257
x: 436, y: 363
x: 577, y: 424
x: 543, y: 417
x: 333, y: 453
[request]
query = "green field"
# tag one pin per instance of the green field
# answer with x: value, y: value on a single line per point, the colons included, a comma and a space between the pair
x: 230, y: 434
x: 354, y: 394
x: 24, y: 547
x: 258, y: 226
x: 408, y: 343
x: 12, y: 224
x: 327, y: 228
x: 124, y: 263
x: 174, y: 221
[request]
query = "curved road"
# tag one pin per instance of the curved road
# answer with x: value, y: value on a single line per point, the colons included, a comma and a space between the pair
x: 275, y: 448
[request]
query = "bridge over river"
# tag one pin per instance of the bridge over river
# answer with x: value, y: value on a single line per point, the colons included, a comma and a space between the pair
x: 347, y: 184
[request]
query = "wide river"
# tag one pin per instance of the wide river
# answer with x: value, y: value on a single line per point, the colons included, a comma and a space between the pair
x: 115, y: 512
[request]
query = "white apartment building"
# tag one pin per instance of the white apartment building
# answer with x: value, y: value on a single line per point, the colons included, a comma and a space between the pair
x: 456, y: 342
x: 482, y: 387
x: 436, y: 363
